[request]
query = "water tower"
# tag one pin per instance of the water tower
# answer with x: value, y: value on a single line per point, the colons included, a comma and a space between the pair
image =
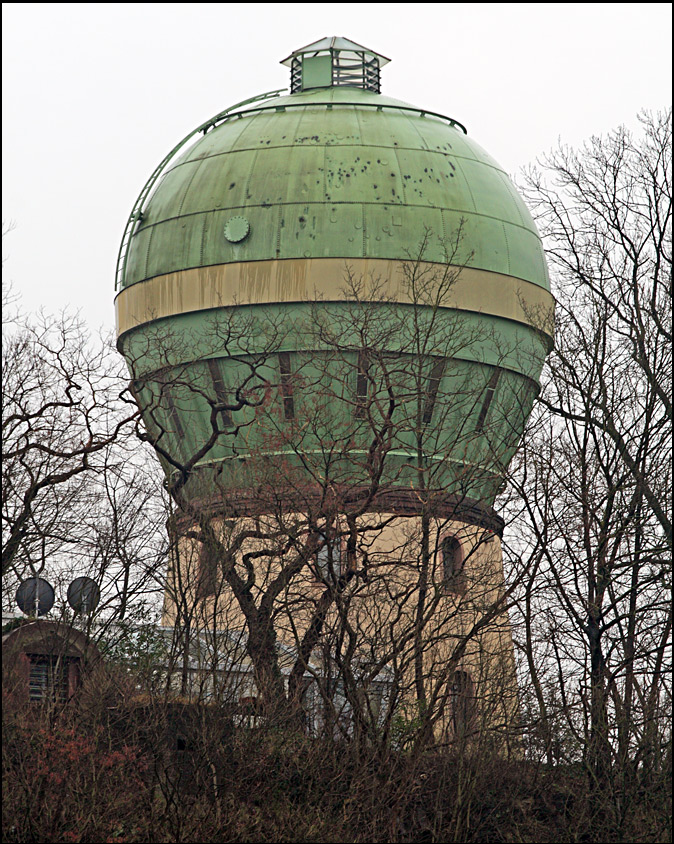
x: 306, y: 213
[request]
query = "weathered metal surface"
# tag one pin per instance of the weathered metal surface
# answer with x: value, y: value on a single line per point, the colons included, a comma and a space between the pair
x: 326, y: 173
x: 304, y: 279
x: 246, y: 237
x: 137, y: 211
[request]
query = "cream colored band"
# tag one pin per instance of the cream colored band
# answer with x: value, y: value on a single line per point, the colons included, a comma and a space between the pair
x: 306, y: 279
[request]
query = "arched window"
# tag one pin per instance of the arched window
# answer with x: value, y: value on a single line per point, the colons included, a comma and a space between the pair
x: 330, y: 558
x: 453, y: 579
x: 463, y: 702
x: 207, y: 576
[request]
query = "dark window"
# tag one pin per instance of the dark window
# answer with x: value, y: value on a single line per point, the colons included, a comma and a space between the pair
x: 489, y: 395
x: 49, y: 677
x: 286, y: 385
x: 207, y: 582
x: 167, y: 403
x: 453, y: 578
x: 330, y: 559
x: 362, y: 383
x: 434, y: 379
x: 175, y: 416
x: 220, y: 393
x: 463, y: 701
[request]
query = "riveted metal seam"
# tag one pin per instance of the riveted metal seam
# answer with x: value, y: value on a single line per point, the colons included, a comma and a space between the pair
x: 512, y: 193
x: 248, y: 179
x: 342, y: 146
x: 381, y: 205
x: 279, y: 219
x: 505, y: 237
x: 204, y: 229
x: 424, y: 145
x: 400, y: 176
x: 189, y: 185
x: 360, y: 129
x: 147, y: 251
x: 325, y: 174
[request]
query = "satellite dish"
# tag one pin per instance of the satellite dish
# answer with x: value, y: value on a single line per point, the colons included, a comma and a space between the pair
x: 35, y: 596
x: 83, y: 594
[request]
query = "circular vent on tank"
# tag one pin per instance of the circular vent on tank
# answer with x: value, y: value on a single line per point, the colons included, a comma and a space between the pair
x: 237, y: 229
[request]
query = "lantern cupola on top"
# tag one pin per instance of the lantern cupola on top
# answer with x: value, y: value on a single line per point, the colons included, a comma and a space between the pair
x: 334, y: 62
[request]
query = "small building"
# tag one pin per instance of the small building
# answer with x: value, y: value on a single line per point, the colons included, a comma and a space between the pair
x: 43, y: 661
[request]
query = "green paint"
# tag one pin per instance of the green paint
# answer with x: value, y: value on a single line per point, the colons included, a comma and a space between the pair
x: 316, y: 72
x: 338, y: 172
x: 335, y: 172
x: 265, y: 330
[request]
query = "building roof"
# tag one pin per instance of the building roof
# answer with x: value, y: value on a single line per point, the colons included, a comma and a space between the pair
x: 335, y: 43
x: 39, y: 636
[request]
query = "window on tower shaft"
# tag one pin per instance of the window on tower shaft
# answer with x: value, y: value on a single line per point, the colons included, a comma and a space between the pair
x: 453, y: 575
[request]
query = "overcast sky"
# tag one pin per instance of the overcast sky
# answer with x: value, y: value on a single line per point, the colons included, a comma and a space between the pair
x: 95, y: 94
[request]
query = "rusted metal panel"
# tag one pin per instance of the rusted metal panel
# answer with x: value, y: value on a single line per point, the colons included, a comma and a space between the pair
x: 300, y: 280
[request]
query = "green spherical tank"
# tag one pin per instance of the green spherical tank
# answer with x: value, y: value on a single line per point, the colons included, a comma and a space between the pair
x: 333, y: 286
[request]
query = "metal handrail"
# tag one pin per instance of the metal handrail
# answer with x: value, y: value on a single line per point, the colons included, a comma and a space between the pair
x: 136, y: 215
x: 423, y: 112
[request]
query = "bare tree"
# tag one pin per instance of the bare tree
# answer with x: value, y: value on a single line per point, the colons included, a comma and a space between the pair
x: 319, y: 556
x: 595, y: 474
x: 77, y: 499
